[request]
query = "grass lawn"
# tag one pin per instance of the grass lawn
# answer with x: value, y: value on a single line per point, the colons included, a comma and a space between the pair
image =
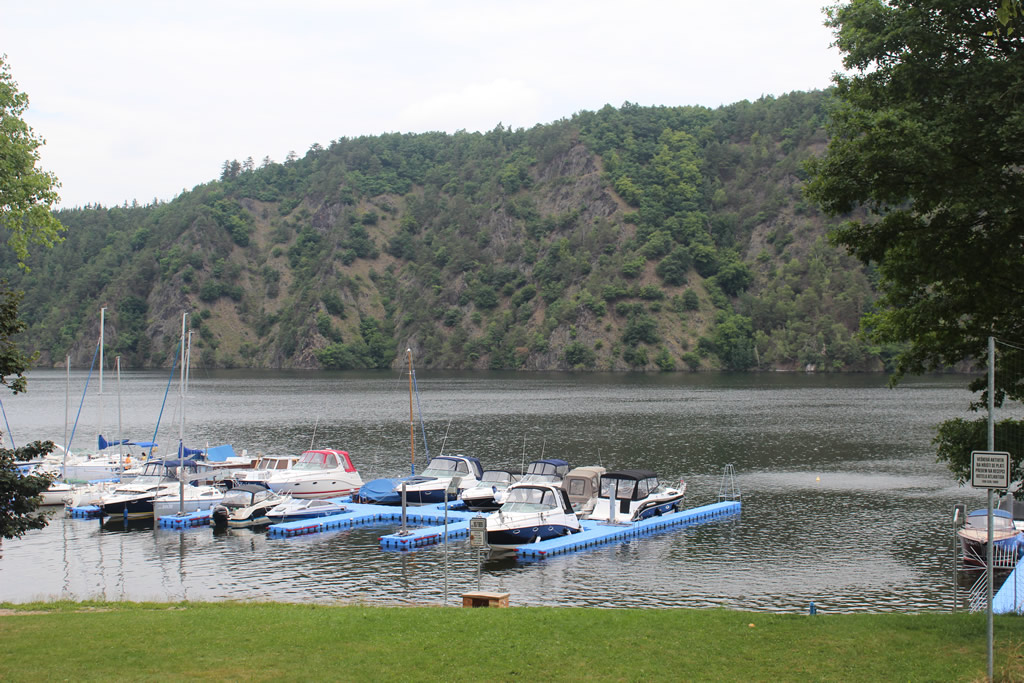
x: 275, y: 641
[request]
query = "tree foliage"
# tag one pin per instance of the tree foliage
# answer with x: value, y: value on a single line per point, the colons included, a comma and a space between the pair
x: 925, y: 153
x: 480, y: 249
x: 27, y: 194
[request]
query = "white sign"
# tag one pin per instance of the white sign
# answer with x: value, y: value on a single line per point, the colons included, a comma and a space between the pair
x: 990, y: 469
x: 478, y: 532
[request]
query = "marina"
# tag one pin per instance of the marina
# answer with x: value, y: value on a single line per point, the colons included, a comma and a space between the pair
x: 816, y: 457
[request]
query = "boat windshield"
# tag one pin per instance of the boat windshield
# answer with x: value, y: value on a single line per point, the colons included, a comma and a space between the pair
x: 316, y: 461
x: 446, y: 467
x: 998, y: 523
x: 541, y: 479
x: 237, y: 498
x: 272, y: 464
x: 618, y: 488
x: 547, y: 468
x: 496, y: 478
x: 146, y: 480
x: 529, y: 499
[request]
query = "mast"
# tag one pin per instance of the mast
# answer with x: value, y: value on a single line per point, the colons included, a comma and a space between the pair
x: 120, y: 433
x: 181, y: 423
x: 67, y: 401
x: 103, y: 312
x: 412, y: 430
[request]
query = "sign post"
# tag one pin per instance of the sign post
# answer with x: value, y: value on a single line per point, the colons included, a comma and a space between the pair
x: 990, y: 470
x: 452, y: 490
x: 478, y: 540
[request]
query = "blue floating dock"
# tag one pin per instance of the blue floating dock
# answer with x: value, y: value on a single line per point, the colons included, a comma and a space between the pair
x: 597, y: 533
x: 85, y: 512
x: 361, y: 513
x: 189, y: 519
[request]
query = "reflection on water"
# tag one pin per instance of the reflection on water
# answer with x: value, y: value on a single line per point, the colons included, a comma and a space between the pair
x: 843, y: 503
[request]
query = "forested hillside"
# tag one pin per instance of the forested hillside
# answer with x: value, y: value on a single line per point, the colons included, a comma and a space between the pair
x: 631, y: 238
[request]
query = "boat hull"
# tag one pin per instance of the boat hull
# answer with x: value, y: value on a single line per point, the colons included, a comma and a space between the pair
x: 140, y: 507
x: 512, y: 537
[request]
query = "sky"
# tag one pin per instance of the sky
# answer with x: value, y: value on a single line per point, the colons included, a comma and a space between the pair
x: 140, y: 101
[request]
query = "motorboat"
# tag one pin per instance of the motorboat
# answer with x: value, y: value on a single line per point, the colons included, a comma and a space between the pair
x: 304, y: 508
x: 195, y: 497
x: 246, y: 506
x: 551, y: 471
x: 134, y: 499
x: 317, y: 474
x: 264, y: 468
x: 430, y: 486
x: 582, y: 484
x: 489, y: 492
x: 531, y: 512
x: 1007, y: 539
x: 627, y: 496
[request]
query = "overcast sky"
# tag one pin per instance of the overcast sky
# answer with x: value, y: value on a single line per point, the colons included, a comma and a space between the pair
x: 141, y: 100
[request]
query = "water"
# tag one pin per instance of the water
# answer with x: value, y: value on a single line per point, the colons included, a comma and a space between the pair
x: 843, y: 503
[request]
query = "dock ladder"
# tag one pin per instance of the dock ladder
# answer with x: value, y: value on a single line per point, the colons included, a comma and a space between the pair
x: 728, y: 489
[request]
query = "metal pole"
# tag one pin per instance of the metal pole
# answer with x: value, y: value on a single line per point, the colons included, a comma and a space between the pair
x: 403, y: 532
x: 103, y: 312
x: 446, y: 549
x: 991, y: 447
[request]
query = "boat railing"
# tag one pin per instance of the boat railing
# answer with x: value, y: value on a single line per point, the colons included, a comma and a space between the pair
x: 977, y: 597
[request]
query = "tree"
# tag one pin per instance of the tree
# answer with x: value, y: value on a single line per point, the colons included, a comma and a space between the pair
x: 27, y: 194
x: 925, y: 154
x: 26, y: 197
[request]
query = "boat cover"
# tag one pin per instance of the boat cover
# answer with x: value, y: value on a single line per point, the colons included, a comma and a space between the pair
x: 379, y: 489
x: 220, y: 453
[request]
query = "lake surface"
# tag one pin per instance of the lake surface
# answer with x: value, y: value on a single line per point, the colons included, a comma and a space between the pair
x: 843, y: 502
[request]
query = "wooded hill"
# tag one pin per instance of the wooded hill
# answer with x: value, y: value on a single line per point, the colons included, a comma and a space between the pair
x: 631, y: 238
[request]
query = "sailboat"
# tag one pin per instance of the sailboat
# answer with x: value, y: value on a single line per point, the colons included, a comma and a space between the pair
x: 188, y: 497
x: 387, y: 490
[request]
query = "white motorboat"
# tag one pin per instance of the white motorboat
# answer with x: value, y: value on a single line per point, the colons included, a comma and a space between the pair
x: 304, y: 508
x: 246, y: 506
x: 202, y: 497
x: 318, y: 474
x: 531, y: 512
x: 489, y: 492
x: 630, y: 495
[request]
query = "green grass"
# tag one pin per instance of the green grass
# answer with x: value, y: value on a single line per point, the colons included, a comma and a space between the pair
x: 274, y: 641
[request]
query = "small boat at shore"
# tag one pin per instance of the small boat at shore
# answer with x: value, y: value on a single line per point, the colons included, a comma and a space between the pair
x: 1007, y: 539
